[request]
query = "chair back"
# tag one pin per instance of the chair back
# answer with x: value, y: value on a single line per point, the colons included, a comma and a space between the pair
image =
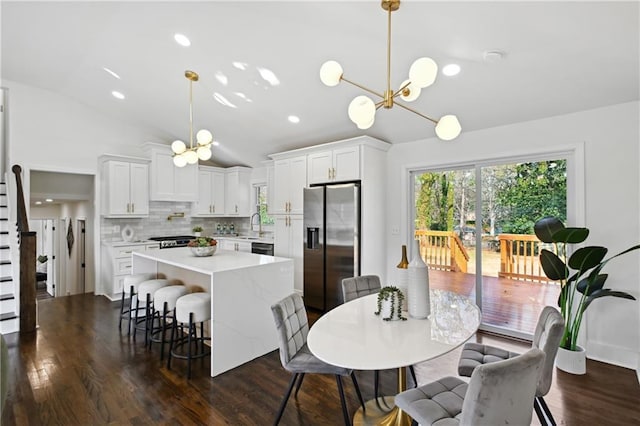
x: 502, y: 392
x: 355, y: 287
x: 292, y: 326
x: 549, y: 331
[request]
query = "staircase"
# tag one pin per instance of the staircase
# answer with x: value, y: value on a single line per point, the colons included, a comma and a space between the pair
x: 9, y: 301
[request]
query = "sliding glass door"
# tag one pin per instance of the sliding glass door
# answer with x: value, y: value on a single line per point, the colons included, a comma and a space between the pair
x: 475, y: 227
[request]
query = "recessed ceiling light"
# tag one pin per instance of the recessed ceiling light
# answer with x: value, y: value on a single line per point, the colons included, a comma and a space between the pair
x: 268, y: 76
x: 451, y: 70
x: 182, y: 40
x: 240, y: 65
x: 222, y: 100
x: 49, y: 200
x: 493, y: 55
x: 222, y: 78
x: 111, y: 72
x: 117, y: 94
x: 294, y: 119
x: 38, y: 203
x: 215, y: 143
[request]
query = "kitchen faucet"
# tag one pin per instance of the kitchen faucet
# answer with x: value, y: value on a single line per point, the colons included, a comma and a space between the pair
x: 259, y: 223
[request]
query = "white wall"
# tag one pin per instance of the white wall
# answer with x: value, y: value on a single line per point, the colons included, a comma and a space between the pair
x: 612, y: 181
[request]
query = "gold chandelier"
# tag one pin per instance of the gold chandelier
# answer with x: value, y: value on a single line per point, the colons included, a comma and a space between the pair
x: 202, y: 151
x: 423, y: 72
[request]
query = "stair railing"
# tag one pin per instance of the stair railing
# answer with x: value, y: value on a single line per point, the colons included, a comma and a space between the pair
x: 27, y: 244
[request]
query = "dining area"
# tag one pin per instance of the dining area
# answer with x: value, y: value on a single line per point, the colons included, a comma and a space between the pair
x: 501, y: 387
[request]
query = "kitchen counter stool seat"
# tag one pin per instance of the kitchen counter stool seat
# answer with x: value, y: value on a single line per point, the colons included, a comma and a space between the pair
x: 144, y: 301
x: 164, y: 304
x: 129, y: 291
x: 190, y: 310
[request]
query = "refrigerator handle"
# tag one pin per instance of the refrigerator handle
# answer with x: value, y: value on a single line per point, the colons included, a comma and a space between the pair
x: 313, y: 238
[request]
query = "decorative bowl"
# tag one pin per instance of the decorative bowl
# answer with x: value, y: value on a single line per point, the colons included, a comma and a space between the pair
x: 203, y: 251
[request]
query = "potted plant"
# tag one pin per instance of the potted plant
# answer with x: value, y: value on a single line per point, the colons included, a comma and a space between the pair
x: 390, y: 300
x: 197, y: 230
x: 581, y: 282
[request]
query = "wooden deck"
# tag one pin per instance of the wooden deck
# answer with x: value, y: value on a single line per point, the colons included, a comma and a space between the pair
x: 506, y: 303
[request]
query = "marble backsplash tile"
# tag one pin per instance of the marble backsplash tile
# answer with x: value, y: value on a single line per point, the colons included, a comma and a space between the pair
x: 158, y: 224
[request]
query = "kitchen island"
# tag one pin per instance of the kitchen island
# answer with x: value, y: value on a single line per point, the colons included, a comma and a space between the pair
x: 243, y: 286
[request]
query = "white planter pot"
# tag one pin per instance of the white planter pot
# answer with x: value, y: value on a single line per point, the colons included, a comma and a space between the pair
x: 574, y: 362
x: 385, y: 309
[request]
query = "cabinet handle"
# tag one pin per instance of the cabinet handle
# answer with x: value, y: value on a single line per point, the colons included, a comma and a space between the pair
x: 213, y: 208
x: 133, y: 208
x: 329, y: 173
x: 334, y: 173
x: 128, y: 208
x: 236, y: 208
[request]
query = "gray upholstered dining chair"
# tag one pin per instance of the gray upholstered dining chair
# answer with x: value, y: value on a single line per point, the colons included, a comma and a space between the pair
x: 547, y: 336
x: 364, y: 285
x: 498, y: 393
x: 292, y: 326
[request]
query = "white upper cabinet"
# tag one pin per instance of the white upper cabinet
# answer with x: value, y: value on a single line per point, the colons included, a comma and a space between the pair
x: 336, y: 165
x: 238, y: 191
x: 168, y: 182
x: 211, y: 192
x: 289, y: 179
x: 125, y: 188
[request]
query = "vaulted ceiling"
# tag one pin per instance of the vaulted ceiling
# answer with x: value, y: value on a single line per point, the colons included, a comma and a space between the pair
x: 558, y: 57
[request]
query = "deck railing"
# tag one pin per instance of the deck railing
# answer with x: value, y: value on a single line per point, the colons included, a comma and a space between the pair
x: 442, y: 250
x: 519, y: 257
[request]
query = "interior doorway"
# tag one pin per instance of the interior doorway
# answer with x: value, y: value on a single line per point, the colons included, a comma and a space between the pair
x: 46, y: 255
x: 82, y: 277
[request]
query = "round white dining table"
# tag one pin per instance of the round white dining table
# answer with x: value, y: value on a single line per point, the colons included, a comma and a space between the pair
x: 352, y: 336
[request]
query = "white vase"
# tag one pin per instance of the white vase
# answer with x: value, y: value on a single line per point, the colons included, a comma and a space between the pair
x: 418, y: 283
x: 574, y: 362
x: 197, y: 234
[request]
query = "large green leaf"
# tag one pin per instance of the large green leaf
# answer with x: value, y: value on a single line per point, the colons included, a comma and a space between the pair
x: 570, y: 235
x: 546, y: 227
x: 604, y: 293
x: 591, y: 284
x: 586, y: 258
x: 554, y: 268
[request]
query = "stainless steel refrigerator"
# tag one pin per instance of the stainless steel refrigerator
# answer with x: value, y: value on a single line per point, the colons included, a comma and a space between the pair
x: 331, y: 242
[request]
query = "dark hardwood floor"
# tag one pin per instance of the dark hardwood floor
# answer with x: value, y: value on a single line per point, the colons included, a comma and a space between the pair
x: 78, y: 370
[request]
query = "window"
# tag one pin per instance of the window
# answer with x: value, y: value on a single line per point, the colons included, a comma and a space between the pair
x: 261, y: 204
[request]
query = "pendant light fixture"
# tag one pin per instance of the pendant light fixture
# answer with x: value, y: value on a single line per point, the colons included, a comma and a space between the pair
x: 423, y: 72
x: 202, y: 150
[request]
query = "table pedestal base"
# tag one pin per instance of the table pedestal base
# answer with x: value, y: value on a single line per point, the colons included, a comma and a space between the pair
x: 374, y: 415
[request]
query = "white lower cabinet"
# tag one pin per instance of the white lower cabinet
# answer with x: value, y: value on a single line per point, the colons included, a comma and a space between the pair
x: 288, y: 243
x: 116, y: 265
x: 235, y: 245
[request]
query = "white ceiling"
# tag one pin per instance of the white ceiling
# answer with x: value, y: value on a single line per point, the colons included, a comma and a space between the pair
x: 560, y: 57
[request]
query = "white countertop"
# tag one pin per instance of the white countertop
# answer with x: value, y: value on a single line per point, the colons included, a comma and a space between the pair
x: 222, y: 260
x: 242, y: 238
x: 129, y: 243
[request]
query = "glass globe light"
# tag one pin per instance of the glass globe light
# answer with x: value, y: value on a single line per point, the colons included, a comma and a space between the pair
x: 330, y: 73
x: 364, y: 126
x: 414, y: 91
x: 178, y: 147
x: 179, y: 160
x: 204, y: 137
x: 204, y: 153
x: 362, y: 110
x: 423, y: 72
x: 448, y: 128
x: 191, y: 157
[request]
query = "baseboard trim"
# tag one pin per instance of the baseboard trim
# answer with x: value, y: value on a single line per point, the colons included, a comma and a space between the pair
x: 616, y: 355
